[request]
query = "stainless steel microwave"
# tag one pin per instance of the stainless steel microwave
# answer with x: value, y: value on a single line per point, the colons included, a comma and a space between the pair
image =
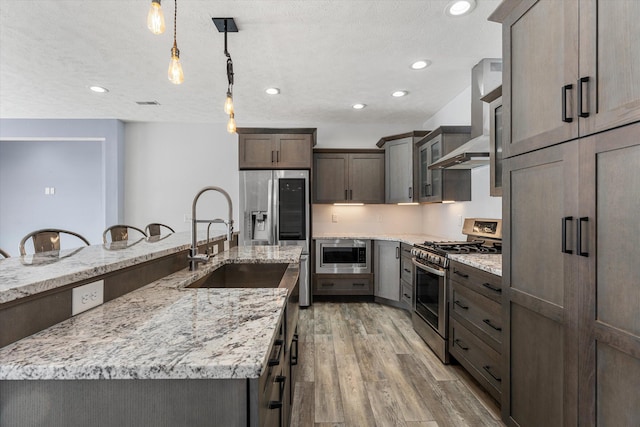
x: 343, y: 256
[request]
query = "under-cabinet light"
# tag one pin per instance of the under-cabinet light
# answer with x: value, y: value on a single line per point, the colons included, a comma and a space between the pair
x: 348, y: 204
x: 448, y: 201
x: 408, y: 204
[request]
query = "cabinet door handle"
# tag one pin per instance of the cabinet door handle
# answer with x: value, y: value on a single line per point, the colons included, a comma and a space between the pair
x: 488, y: 369
x: 272, y: 156
x: 295, y: 351
x: 275, y: 404
x: 466, y: 276
x: 581, y: 83
x: 397, y: 252
x: 427, y: 191
x: 326, y: 284
x: 410, y: 192
x: 462, y: 306
x: 346, y: 194
x: 493, y: 288
x: 278, y: 156
x: 459, y: 343
x: 564, y: 235
x: 579, y: 236
x: 276, y: 361
x: 488, y: 322
x: 565, y: 89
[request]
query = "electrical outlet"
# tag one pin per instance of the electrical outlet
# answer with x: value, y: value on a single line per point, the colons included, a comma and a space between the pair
x: 334, y: 217
x: 215, y: 249
x: 226, y: 245
x: 87, y: 296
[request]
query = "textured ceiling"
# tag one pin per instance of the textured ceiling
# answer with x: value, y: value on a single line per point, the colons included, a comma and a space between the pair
x: 324, y: 55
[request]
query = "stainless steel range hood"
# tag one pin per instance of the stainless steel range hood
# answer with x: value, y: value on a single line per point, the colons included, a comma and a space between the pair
x: 486, y: 75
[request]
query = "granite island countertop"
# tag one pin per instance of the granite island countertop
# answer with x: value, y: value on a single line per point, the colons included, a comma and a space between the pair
x: 164, y: 330
x: 32, y: 274
x: 491, y: 263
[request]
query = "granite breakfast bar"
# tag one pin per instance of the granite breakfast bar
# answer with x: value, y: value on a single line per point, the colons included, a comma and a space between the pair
x: 164, y: 354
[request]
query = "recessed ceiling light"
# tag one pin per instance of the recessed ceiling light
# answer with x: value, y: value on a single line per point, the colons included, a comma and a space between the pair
x: 460, y: 7
x: 399, y: 93
x: 98, y: 89
x: 358, y: 106
x: 419, y: 65
x: 273, y: 91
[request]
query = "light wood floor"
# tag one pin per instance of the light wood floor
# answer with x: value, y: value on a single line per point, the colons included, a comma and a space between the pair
x: 362, y: 364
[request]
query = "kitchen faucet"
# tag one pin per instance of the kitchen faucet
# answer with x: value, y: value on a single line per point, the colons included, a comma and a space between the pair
x: 194, y: 257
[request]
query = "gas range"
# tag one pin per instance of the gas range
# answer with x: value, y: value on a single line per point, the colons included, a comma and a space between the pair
x: 483, y: 236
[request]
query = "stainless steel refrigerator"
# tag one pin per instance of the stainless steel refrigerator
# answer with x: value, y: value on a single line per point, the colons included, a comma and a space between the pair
x: 275, y: 210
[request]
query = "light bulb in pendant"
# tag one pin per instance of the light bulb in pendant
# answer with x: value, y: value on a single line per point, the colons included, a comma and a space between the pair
x: 155, y: 18
x: 176, y: 76
x: 228, y: 103
x: 231, y: 124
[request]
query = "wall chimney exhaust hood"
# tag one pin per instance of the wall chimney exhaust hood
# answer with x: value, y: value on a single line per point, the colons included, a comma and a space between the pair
x: 486, y: 75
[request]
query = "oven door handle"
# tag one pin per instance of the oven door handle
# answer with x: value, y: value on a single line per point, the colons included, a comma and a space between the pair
x: 427, y: 268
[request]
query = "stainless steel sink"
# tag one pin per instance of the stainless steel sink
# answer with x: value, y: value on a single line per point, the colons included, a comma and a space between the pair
x: 243, y: 276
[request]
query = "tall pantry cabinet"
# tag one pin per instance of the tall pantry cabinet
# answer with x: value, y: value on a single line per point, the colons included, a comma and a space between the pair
x: 571, y: 203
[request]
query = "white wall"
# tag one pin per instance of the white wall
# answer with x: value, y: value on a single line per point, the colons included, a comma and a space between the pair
x: 444, y: 219
x: 166, y: 164
x: 367, y: 219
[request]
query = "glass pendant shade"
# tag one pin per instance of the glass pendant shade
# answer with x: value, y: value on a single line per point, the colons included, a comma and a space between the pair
x: 176, y: 76
x: 231, y: 124
x: 155, y: 18
x: 228, y: 104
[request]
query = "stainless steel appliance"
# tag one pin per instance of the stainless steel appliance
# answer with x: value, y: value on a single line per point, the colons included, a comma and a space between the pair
x: 430, y: 315
x: 343, y: 256
x: 275, y: 208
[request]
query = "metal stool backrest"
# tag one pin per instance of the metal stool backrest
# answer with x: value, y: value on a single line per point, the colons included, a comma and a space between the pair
x: 47, y: 239
x: 4, y: 254
x: 154, y: 229
x: 120, y: 232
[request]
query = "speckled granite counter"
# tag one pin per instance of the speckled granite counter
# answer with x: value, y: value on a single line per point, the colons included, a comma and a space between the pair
x: 33, y: 274
x: 163, y: 330
x: 491, y: 263
x: 409, y: 239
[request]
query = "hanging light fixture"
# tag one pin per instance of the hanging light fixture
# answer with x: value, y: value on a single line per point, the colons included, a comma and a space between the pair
x: 225, y: 25
x: 155, y: 18
x: 175, y: 74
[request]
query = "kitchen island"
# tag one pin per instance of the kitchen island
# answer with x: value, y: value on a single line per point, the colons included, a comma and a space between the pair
x: 164, y: 354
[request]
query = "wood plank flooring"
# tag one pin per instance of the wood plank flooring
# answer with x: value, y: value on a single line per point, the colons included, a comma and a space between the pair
x: 362, y: 364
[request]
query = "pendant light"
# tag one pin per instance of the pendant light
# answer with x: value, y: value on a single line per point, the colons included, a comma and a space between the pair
x: 175, y: 74
x: 228, y: 25
x: 155, y: 18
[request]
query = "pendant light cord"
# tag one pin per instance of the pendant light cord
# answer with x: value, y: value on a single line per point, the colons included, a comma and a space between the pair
x: 175, y: 21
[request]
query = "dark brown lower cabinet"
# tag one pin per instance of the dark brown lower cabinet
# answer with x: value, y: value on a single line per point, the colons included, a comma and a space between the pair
x: 475, y: 327
x: 342, y: 284
x: 571, y: 275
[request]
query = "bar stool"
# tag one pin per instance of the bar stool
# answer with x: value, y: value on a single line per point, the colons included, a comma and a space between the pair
x: 155, y: 229
x: 120, y: 232
x: 47, y: 239
x: 4, y: 254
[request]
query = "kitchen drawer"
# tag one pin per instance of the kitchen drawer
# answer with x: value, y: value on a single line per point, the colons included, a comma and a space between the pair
x: 480, y: 281
x: 480, y: 360
x: 406, y: 293
x: 478, y: 313
x: 406, y: 269
x: 342, y: 284
x: 405, y: 250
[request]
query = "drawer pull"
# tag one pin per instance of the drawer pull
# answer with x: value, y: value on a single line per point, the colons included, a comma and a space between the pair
x: 276, y: 361
x: 295, y: 351
x: 459, y: 304
x: 326, y: 285
x: 466, y: 276
x: 488, y: 322
x: 407, y: 296
x: 459, y: 343
x: 359, y: 284
x: 408, y: 271
x: 488, y: 369
x: 275, y: 404
x: 493, y: 288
